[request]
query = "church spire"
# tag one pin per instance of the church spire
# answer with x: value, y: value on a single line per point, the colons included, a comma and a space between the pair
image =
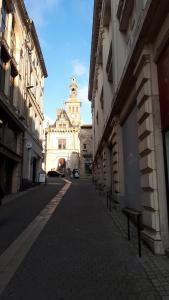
x: 73, y: 87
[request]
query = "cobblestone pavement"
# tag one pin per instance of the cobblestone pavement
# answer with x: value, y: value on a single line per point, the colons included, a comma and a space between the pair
x: 83, y: 253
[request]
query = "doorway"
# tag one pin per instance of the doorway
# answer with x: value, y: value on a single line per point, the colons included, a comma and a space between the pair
x: 34, y: 170
x: 61, y: 165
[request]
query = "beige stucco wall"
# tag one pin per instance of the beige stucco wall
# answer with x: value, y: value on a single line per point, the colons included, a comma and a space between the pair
x: 135, y: 83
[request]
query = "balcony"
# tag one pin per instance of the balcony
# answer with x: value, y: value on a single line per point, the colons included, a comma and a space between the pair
x: 4, y: 40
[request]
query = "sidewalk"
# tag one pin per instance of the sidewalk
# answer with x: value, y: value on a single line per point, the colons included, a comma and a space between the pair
x: 19, y: 194
x: 11, y: 197
x: 83, y: 253
x: 156, y: 266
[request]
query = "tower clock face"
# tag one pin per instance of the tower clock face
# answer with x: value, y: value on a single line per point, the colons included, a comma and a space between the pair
x: 73, y: 116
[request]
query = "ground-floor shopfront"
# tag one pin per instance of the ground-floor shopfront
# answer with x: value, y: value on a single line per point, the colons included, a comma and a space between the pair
x: 11, y: 151
x: 32, y: 160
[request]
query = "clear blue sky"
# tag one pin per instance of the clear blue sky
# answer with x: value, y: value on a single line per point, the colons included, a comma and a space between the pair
x: 64, y: 30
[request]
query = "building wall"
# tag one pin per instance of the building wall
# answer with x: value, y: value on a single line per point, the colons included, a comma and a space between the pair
x: 53, y: 153
x: 86, y: 150
x: 22, y: 75
x: 132, y: 150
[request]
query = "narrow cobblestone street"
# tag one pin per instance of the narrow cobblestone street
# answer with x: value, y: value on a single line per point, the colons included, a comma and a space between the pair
x: 83, y: 253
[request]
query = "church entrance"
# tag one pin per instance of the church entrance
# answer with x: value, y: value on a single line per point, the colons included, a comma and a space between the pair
x: 61, y: 165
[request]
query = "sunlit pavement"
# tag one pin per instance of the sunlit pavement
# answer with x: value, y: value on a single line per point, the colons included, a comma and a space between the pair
x: 80, y: 253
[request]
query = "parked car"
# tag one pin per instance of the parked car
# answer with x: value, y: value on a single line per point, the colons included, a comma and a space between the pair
x: 54, y: 174
x: 76, y: 173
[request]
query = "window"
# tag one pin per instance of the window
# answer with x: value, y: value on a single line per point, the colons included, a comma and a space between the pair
x: 101, y: 99
x: 4, y: 12
x: 62, y: 125
x: 33, y: 84
x: 13, y: 39
x: 109, y: 68
x: 97, y: 118
x: 125, y: 8
x: 106, y: 13
x: 13, y: 74
x: 2, y: 73
x: 84, y: 146
x: 4, y: 58
x: 62, y: 144
x: 76, y: 109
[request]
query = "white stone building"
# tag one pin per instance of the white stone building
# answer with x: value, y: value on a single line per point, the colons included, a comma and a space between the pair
x: 129, y: 92
x: 62, y: 138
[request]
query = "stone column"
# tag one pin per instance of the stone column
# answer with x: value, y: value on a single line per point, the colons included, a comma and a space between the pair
x: 150, y: 151
x: 115, y: 158
x: 107, y: 168
x: 7, y: 78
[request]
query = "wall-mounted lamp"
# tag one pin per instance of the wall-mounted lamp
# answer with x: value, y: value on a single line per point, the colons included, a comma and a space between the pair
x: 1, y: 123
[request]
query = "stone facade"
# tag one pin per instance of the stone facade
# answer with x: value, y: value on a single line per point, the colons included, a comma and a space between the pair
x: 62, y: 138
x: 22, y: 72
x: 129, y: 96
x: 86, y: 150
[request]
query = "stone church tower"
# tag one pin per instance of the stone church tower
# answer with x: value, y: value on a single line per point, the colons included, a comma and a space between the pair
x: 73, y: 104
x: 62, y: 138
